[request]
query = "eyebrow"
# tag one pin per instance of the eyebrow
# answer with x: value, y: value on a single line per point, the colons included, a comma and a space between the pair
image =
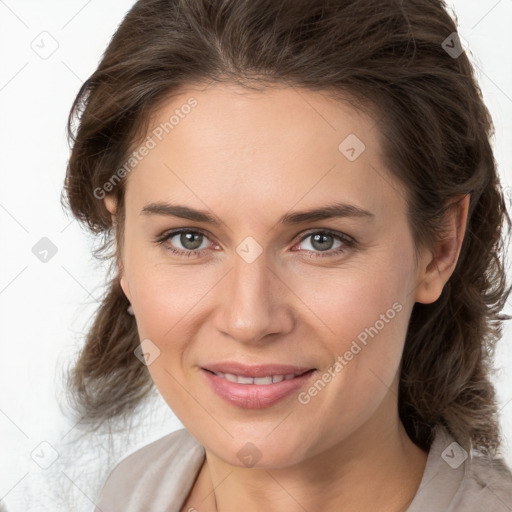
x: 336, y: 210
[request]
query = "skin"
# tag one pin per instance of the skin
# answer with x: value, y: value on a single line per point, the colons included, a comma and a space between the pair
x: 249, y: 157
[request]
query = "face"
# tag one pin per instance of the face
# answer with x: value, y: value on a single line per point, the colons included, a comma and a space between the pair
x: 314, y: 307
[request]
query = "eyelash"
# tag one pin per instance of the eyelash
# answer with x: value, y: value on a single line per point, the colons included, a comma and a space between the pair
x: 348, y: 243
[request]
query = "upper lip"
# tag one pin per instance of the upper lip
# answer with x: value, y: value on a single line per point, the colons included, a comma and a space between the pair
x: 258, y: 370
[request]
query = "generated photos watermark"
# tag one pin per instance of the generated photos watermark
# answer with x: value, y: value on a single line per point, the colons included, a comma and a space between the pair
x: 144, y: 149
x: 304, y: 397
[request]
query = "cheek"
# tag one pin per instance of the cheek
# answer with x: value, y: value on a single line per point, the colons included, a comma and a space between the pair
x: 369, y: 319
x: 164, y: 293
x: 367, y: 290
x: 167, y: 304
x: 364, y: 313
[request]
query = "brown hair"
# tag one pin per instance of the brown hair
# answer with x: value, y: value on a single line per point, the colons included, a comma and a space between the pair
x: 389, y: 56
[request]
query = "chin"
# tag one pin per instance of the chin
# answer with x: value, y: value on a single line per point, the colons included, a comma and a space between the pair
x: 259, y: 450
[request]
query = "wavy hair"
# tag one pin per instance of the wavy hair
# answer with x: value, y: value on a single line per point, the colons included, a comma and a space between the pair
x: 389, y: 56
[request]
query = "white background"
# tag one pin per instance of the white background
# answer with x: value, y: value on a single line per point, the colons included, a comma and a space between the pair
x: 45, y: 307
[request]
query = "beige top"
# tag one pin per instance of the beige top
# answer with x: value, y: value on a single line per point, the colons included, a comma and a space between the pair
x: 158, y: 477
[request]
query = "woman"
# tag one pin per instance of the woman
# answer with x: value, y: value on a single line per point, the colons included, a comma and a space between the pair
x: 307, y: 221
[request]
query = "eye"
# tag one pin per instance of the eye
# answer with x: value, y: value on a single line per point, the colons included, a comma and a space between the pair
x: 191, y: 241
x: 323, y: 242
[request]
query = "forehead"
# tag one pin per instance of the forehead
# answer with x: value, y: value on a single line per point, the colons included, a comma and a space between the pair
x: 278, y: 118
x: 224, y: 146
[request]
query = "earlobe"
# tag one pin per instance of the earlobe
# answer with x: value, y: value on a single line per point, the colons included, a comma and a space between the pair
x: 430, y: 286
x: 126, y: 289
x: 437, y: 269
x: 110, y: 204
x: 124, y: 285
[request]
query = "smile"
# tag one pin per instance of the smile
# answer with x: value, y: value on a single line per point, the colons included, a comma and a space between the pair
x: 255, y: 387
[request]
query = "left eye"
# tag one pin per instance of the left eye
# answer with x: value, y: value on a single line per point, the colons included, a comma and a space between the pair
x: 321, y: 242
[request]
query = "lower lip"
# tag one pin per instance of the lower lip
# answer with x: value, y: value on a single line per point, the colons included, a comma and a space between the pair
x: 254, y: 396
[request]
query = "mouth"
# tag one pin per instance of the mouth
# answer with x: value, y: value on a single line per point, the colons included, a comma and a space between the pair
x: 255, y: 387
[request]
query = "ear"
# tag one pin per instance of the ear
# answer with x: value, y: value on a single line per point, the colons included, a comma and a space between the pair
x: 438, y: 264
x: 111, y: 205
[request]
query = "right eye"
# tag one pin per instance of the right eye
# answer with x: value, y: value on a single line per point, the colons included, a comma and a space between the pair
x: 190, y: 240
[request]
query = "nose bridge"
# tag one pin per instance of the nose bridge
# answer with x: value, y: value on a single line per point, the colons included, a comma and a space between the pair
x: 254, y: 306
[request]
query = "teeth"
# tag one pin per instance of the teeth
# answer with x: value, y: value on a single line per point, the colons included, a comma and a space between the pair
x: 260, y: 381
x: 263, y: 380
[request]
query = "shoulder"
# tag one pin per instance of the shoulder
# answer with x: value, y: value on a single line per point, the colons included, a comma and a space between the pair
x: 487, y: 486
x: 454, y: 481
x: 155, y: 476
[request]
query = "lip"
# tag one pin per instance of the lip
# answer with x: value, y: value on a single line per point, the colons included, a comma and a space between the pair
x: 254, y: 396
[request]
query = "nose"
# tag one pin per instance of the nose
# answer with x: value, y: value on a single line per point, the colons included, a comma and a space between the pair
x: 255, y: 303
